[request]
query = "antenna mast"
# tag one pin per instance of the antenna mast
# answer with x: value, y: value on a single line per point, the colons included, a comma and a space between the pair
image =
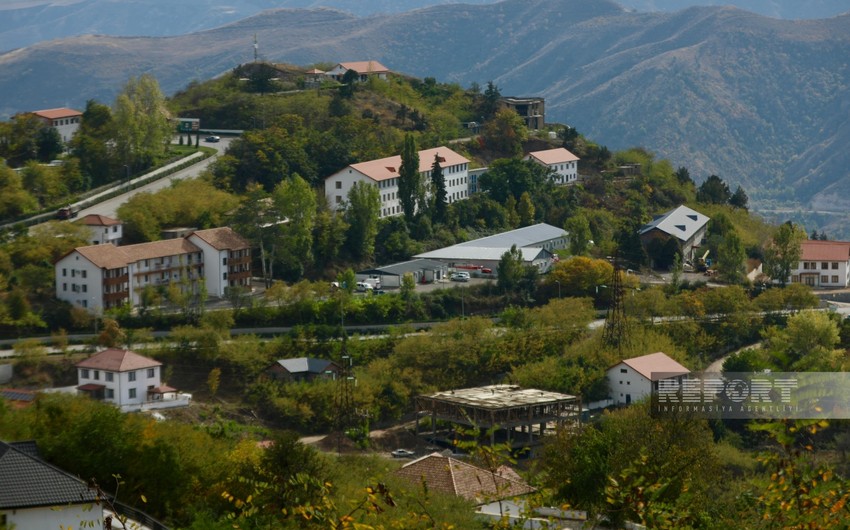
x: 256, y: 48
x: 616, y: 332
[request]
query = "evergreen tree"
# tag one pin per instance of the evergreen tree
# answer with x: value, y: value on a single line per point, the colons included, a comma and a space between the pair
x: 438, y: 189
x: 714, y: 191
x: 525, y: 209
x: 739, y: 199
x: 490, y: 101
x: 408, y: 178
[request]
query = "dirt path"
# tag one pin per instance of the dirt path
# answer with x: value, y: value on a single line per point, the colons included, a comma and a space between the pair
x: 717, y: 366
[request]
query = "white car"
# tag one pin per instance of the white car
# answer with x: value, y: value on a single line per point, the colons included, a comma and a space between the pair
x: 212, y: 139
x: 460, y: 277
x: 402, y: 453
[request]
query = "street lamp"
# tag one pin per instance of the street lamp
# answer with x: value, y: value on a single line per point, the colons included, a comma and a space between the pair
x: 559, y: 288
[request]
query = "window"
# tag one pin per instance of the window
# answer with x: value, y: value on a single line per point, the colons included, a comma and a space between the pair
x: 339, y: 184
x: 339, y: 199
x: 64, y: 272
x: 132, y: 394
x: 83, y: 273
x: 151, y: 372
x: 85, y: 288
x: 224, y: 277
x: 84, y: 373
x: 824, y: 265
x: 224, y: 261
x: 108, y: 376
x: 114, y: 229
x: 96, y: 375
x: 835, y: 279
x: 110, y: 394
x: 824, y: 279
x: 623, y: 371
x: 131, y: 376
x: 835, y: 265
x: 64, y: 286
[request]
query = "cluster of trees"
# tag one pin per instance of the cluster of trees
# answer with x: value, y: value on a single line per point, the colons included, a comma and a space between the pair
x: 111, y: 143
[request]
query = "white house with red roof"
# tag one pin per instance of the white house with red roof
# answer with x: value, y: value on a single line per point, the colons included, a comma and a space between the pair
x: 364, y: 69
x: 384, y: 174
x: 823, y: 264
x: 103, y: 229
x: 65, y: 121
x: 633, y: 379
x: 128, y: 380
x: 563, y: 163
x: 98, y: 277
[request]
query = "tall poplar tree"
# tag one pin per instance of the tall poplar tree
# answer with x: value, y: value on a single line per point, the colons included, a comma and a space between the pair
x: 142, y: 127
x: 408, y: 178
x: 438, y: 190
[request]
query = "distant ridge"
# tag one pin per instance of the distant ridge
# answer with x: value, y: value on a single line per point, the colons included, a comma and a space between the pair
x: 760, y: 101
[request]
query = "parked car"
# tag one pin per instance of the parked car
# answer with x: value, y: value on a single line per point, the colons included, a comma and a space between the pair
x: 362, y: 287
x: 69, y: 212
x: 402, y: 453
x: 212, y: 139
x: 460, y: 277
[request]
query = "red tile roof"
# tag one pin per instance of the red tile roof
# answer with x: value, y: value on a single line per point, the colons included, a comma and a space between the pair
x: 825, y: 250
x: 366, y: 67
x: 653, y: 365
x: 464, y: 480
x: 223, y: 238
x: 115, y: 360
x: 387, y: 168
x: 98, y: 220
x: 553, y: 156
x: 55, y: 114
x: 104, y: 256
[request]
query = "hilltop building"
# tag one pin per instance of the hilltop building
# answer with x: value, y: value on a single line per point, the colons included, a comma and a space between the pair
x: 103, y: 229
x: 303, y: 369
x: 532, y: 110
x: 563, y: 163
x: 364, y: 69
x: 384, y: 174
x: 682, y: 225
x: 99, y: 277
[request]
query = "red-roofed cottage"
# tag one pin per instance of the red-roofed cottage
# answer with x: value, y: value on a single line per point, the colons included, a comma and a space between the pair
x: 364, y: 69
x: 383, y: 173
x: 633, y: 379
x: 823, y: 264
x: 103, y: 229
x: 561, y: 161
x: 127, y: 379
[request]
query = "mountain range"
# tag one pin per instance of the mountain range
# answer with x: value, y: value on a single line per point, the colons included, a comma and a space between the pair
x: 760, y: 101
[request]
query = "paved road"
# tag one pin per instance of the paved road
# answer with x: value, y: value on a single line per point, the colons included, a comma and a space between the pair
x: 110, y: 206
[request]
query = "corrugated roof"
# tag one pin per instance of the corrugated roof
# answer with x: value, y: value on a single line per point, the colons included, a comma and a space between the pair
x: 463, y: 253
x: 825, y: 250
x: 455, y: 477
x: 55, y: 114
x: 27, y: 482
x: 398, y: 269
x: 115, y: 360
x: 656, y: 366
x: 681, y: 222
x: 553, y: 156
x: 527, y: 236
x: 223, y: 238
x: 301, y: 365
x: 387, y: 168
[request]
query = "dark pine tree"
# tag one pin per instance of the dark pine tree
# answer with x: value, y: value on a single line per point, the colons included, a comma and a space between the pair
x: 438, y: 186
x: 408, y: 178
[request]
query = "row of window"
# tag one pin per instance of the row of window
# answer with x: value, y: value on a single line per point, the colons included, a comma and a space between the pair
x: 74, y: 273
x: 813, y: 265
x: 66, y: 121
x: 85, y: 373
x: 810, y: 280
x: 81, y: 288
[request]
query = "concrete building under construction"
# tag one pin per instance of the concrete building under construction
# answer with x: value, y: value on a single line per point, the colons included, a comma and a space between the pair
x: 510, y: 414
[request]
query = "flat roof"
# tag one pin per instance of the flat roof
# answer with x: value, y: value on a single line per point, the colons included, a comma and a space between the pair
x: 500, y: 396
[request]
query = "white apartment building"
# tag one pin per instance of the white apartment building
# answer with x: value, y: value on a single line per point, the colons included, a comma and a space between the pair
x: 561, y: 161
x: 384, y: 174
x: 65, y: 121
x: 99, y: 277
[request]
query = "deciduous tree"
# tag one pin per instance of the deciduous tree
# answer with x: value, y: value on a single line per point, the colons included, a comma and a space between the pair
x: 783, y: 252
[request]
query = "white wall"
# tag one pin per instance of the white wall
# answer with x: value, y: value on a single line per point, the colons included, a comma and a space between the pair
x: 121, y: 384
x: 626, y: 385
x: 829, y: 272
x: 79, y: 282
x: 76, y: 516
x: 340, y: 183
x: 105, y: 234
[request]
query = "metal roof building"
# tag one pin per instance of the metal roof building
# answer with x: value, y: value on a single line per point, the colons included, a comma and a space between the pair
x: 423, y: 271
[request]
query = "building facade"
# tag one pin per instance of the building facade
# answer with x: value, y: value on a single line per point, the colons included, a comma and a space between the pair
x: 384, y: 174
x: 103, y: 229
x: 823, y: 264
x: 364, y: 69
x: 99, y: 277
x: 561, y: 162
x: 65, y: 121
x: 531, y: 110
x: 632, y: 380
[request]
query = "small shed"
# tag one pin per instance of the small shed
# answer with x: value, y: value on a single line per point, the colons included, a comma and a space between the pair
x: 303, y: 369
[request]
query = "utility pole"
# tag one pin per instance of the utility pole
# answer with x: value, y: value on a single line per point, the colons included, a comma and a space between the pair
x: 344, y: 399
x: 616, y: 332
